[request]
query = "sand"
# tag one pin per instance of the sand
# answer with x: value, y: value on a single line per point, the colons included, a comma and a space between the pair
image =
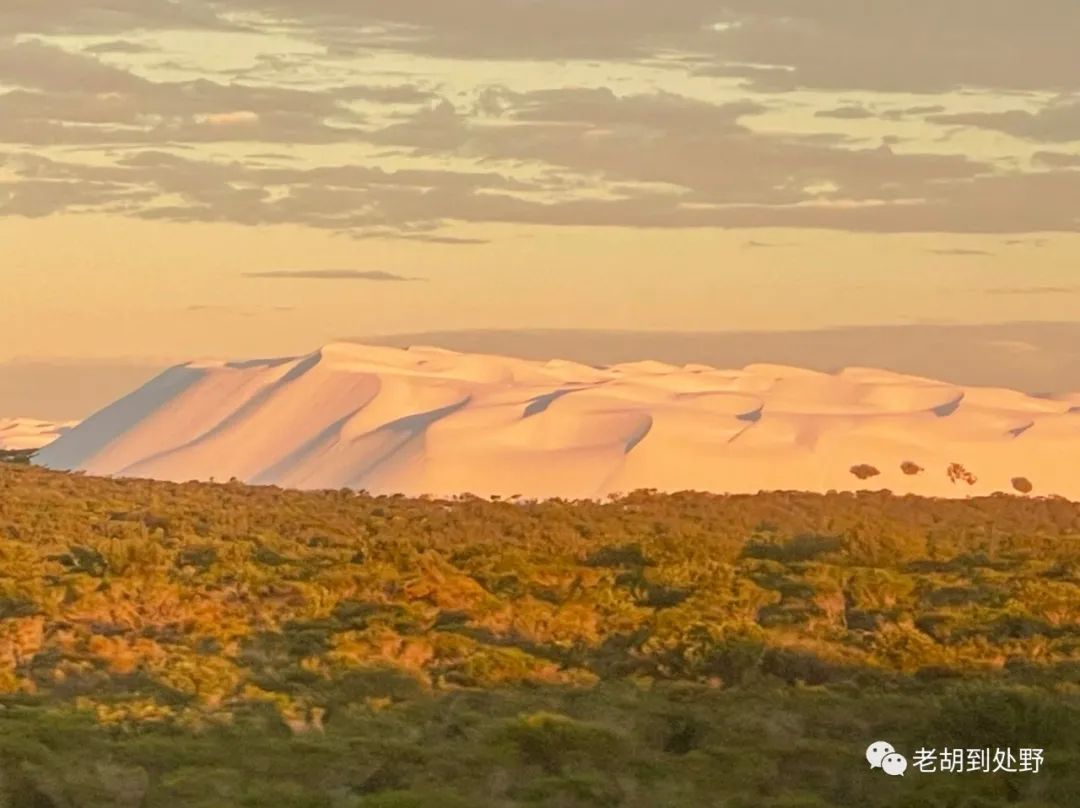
x: 429, y: 421
x: 21, y: 434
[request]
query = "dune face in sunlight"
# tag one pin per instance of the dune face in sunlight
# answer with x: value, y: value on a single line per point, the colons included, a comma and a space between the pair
x: 431, y: 421
x: 24, y: 434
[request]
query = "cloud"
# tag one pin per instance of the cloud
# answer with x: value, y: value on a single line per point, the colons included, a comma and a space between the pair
x: 601, y: 106
x: 105, y: 17
x: 845, y: 113
x: 35, y: 193
x: 238, y: 311
x: 386, y: 94
x: 960, y: 251
x: 1035, y: 290
x: 1058, y: 121
x: 656, y: 176
x: 1054, y: 159
x: 54, y: 88
x: 702, y: 147
x: 88, y: 133
x: 426, y: 238
x: 899, y: 45
x: 121, y: 46
x: 906, y: 113
x: 887, y: 45
x: 765, y: 245
x: 34, y: 65
x: 495, y: 29
x: 333, y: 275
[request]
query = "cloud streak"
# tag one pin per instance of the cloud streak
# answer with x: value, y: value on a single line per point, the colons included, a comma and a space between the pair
x: 961, y: 252
x: 333, y: 275
x: 1035, y: 290
x: 189, y: 144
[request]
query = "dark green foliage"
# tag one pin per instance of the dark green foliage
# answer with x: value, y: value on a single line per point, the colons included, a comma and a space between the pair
x: 201, y: 645
x: 1023, y: 485
x: 864, y: 471
x: 16, y: 456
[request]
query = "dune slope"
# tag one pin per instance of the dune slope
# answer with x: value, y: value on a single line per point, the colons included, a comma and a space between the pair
x: 22, y: 434
x: 431, y: 421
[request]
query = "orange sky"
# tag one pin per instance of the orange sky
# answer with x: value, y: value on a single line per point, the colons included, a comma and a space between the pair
x: 247, y: 178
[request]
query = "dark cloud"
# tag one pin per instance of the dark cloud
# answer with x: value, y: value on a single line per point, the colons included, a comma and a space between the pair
x: 704, y: 148
x: 387, y: 94
x: 34, y: 65
x: 906, y: 113
x: 891, y: 45
x: 660, y: 176
x: 600, y: 106
x: 887, y: 45
x: 37, y: 193
x: 472, y: 29
x: 901, y: 45
x: 118, y: 46
x: 107, y: 17
x: 54, y: 89
x: 592, y: 156
x: 845, y: 113
x: 1055, y: 159
x: 1059, y: 121
x: 723, y: 179
x: 929, y: 109
x: 333, y: 275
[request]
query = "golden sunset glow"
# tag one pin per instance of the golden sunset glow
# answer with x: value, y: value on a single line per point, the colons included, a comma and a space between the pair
x: 243, y: 178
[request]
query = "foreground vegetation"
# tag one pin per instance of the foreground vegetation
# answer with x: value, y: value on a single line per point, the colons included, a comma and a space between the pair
x: 202, y: 645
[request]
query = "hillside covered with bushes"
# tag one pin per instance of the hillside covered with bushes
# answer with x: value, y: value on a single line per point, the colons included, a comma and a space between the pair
x: 224, y: 645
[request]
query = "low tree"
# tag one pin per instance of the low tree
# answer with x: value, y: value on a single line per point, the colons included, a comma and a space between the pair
x: 864, y: 471
x: 1023, y: 485
x: 957, y: 473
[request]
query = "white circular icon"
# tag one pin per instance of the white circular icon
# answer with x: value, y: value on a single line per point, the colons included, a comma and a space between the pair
x: 894, y: 765
x: 877, y: 751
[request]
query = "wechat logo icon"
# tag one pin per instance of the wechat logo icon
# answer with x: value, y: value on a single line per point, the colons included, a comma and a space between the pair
x: 882, y: 755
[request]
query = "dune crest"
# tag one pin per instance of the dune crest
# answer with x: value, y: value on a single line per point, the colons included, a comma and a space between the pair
x: 426, y: 420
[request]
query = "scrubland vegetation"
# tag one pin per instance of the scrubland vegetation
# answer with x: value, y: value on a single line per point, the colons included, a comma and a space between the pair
x: 222, y: 645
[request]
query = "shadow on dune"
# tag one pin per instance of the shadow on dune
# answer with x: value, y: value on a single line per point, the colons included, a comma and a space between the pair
x: 101, y: 429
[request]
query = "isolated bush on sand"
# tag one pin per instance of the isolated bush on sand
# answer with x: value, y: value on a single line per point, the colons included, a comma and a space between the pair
x: 864, y: 471
x: 957, y: 473
x: 1023, y: 485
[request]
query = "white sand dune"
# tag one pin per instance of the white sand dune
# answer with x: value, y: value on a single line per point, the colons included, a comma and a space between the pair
x: 22, y: 434
x: 431, y: 421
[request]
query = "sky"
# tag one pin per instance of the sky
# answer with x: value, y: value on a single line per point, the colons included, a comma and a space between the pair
x: 184, y: 178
